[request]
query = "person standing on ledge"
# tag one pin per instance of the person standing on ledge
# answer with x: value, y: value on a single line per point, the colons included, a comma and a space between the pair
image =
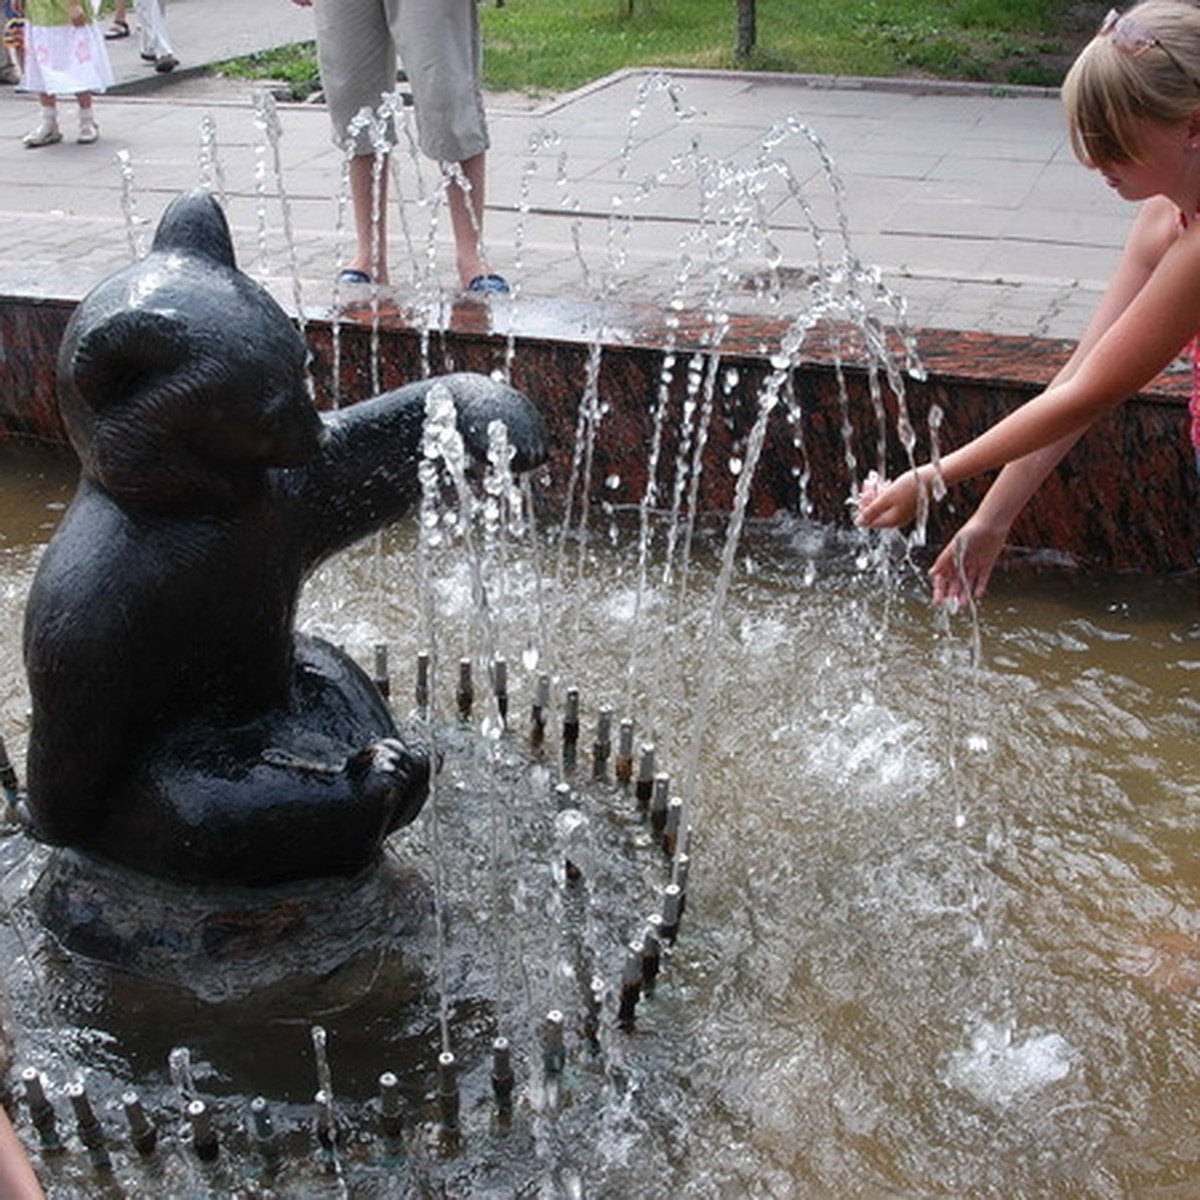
x: 438, y: 44
x: 1133, y: 110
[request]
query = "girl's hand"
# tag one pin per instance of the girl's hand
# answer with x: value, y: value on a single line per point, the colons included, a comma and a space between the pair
x: 75, y: 12
x: 883, y: 505
x: 961, y: 572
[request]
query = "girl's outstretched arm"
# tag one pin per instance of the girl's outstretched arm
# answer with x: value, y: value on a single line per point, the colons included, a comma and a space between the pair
x: 1147, y: 315
x: 962, y: 571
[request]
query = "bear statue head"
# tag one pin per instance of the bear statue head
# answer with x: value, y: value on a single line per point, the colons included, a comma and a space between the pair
x: 181, y: 380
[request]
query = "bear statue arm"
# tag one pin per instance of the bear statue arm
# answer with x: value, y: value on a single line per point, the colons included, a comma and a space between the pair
x: 366, y: 475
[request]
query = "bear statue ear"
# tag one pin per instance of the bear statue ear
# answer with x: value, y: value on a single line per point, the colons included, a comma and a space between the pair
x: 114, y: 361
x: 195, y: 224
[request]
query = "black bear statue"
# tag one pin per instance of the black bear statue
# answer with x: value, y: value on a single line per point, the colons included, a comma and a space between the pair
x: 181, y: 725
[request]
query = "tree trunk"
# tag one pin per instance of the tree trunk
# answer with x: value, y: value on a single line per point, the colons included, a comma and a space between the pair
x: 747, y: 32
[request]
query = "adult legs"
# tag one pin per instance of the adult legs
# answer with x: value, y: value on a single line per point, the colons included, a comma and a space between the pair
x: 120, y: 22
x: 368, y: 201
x: 156, y: 43
x: 358, y: 65
x: 438, y: 41
x: 466, y: 205
x: 439, y: 45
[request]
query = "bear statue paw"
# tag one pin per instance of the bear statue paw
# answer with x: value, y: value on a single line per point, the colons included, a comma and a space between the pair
x: 394, y: 774
x: 480, y: 401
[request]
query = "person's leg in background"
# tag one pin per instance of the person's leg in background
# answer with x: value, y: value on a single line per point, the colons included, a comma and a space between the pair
x: 358, y: 66
x: 440, y: 47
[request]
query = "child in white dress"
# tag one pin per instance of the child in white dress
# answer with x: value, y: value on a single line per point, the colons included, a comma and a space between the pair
x: 65, y: 55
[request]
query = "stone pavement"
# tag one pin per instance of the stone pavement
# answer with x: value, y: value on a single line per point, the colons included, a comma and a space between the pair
x: 966, y: 198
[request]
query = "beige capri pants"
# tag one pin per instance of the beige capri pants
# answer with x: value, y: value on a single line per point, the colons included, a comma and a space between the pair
x: 438, y: 43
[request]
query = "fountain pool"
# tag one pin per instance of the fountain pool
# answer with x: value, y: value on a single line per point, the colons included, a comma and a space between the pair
x: 940, y: 938
x: 940, y: 934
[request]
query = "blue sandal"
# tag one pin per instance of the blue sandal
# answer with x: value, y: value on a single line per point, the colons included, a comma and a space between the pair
x: 489, y: 285
x: 353, y: 275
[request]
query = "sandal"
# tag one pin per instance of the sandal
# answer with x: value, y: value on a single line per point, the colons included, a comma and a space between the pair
x: 116, y: 31
x: 46, y: 134
x: 489, y: 285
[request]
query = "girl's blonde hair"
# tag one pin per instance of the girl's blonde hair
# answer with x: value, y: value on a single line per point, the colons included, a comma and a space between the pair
x: 1113, y: 85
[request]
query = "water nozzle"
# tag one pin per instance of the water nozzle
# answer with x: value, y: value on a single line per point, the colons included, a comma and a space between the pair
x: 541, y: 701
x: 262, y: 1129
x: 204, y: 1136
x: 658, y: 803
x: 41, y: 1111
x: 142, y: 1132
x: 671, y: 911
x: 624, y: 767
x: 447, y: 1092
x: 645, y: 776
x: 382, y: 680
x: 602, y: 746
x: 466, y: 689
x: 554, y: 1054
x: 87, y: 1125
x: 500, y: 686
x: 389, y: 1104
x: 631, y: 985
x: 422, y: 688
x: 674, y: 820
x: 502, y: 1072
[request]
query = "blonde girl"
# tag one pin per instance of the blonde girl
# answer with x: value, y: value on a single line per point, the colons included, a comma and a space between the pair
x: 1133, y: 108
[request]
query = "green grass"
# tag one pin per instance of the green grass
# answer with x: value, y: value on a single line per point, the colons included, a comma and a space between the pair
x: 552, y: 45
x: 295, y: 65
x: 545, y: 46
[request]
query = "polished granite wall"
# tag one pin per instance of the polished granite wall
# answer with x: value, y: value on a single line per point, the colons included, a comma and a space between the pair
x: 1126, y: 498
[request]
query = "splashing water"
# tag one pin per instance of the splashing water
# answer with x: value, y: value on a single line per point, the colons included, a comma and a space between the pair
x: 894, y: 834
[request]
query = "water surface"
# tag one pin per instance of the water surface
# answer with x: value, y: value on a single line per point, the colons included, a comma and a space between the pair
x: 941, y: 930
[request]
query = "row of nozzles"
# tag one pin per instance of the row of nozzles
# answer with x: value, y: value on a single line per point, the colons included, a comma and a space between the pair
x: 663, y: 811
x: 638, y: 977
x: 198, y: 1127
x: 465, y: 696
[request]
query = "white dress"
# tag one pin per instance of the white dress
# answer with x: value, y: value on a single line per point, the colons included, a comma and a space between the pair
x: 62, y: 59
